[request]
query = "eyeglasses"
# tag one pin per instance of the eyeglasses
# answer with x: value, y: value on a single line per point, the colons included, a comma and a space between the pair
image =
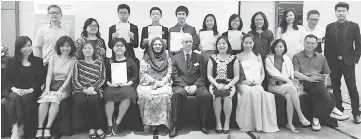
x: 123, y: 13
x: 119, y: 45
x: 313, y: 19
x: 93, y: 26
x: 54, y: 13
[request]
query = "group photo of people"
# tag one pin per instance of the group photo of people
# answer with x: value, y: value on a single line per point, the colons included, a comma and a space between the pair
x: 59, y: 84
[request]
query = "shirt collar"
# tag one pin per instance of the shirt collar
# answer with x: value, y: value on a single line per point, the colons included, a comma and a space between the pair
x: 309, y: 29
x: 181, y: 26
x: 185, y: 53
x: 60, y: 25
x: 305, y: 55
x: 343, y: 24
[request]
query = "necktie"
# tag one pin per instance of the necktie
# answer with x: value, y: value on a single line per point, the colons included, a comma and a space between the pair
x: 188, y: 60
x: 181, y: 30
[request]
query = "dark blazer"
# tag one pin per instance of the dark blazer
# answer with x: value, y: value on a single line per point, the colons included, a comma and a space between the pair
x: 13, y: 74
x: 350, y: 54
x: 183, y: 77
x: 134, y: 43
x: 165, y: 35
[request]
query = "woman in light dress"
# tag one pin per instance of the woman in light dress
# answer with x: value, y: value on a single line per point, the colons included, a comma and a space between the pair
x: 256, y: 110
x: 280, y: 69
x: 155, y: 86
x: 292, y: 33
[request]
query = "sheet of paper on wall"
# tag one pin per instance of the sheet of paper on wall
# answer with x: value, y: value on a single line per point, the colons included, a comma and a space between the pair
x: 207, y: 40
x: 123, y: 30
x: 119, y: 72
x: 154, y: 31
x: 234, y: 37
x: 175, y: 41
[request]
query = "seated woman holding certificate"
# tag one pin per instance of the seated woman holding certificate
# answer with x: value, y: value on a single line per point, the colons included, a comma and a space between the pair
x: 235, y: 33
x: 122, y: 76
x: 88, y: 79
x: 155, y: 86
x: 57, y: 89
x: 154, y: 30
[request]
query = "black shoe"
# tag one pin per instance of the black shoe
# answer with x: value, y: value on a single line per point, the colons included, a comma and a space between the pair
x: 173, y: 132
x: 93, y: 136
x: 109, y: 131
x: 115, y: 129
x: 101, y: 136
x: 225, y: 131
x: 219, y: 131
x: 204, y: 130
x: 357, y: 119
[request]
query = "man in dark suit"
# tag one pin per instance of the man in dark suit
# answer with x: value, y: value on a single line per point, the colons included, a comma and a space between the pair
x: 188, y: 80
x: 124, y: 13
x: 342, y: 51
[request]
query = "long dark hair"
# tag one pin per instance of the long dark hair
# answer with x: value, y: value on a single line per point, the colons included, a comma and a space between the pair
x: 229, y: 50
x: 86, y: 24
x: 215, y: 30
x: 115, y: 40
x: 232, y: 17
x: 284, y: 24
x: 81, y: 54
x: 254, y: 41
x: 265, y: 23
x: 19, y: 43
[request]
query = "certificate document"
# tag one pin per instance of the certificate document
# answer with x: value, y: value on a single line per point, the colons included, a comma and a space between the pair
x: 119, y: 72
x: 154, y: 31
x: 207, y: 40
x: 123, y: 30
x: 234, y: 37
x: 176, y: 41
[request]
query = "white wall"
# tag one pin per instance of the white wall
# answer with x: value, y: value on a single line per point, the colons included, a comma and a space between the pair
x: 106, y: 14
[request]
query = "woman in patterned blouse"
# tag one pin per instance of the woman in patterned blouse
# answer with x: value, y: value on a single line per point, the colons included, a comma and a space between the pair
x: 223, y: 74
x: 88, y: 79
x: 91, y: 34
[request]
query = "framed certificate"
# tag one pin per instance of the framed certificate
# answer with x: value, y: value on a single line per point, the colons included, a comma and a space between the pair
x: 119, y: 72
x: 234, y: 37
x: 207, y: 40
x: 123, y: 30
x: 154, y: 31
x: 176, y: 41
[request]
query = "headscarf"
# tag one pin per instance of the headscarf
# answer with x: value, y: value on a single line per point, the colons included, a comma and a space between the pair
x: 157, y: 60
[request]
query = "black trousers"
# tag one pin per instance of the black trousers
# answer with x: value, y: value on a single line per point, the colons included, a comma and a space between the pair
x: 339, y: 68
x: 179, y: 97
x: 87, y: 113
x: 321, y: 99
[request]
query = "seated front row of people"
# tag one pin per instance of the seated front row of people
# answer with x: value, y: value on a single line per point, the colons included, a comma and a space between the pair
x: 164, y: 84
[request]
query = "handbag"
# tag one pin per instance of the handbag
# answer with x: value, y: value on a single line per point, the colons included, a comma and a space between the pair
x: 55, y: 85
x: 221, y: 93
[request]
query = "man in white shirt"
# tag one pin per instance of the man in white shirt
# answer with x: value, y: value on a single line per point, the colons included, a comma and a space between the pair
x: 313, y: 17
x: 47, y: 35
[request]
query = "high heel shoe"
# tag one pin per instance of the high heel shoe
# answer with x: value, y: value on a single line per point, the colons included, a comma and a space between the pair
x: 39, y: 133
x: 47, y: 136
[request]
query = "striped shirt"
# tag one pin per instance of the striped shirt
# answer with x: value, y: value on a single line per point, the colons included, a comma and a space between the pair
x: 88, y: 75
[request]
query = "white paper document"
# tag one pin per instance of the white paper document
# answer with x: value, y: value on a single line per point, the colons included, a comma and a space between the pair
x: 207, y: 40
x: 234, y: 37
x: 175, y: 41
x: 154, y: 31
x: 123, y: 30
x: 119, y: 73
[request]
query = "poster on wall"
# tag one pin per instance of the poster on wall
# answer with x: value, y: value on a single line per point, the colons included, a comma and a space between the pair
x: 41, y: 14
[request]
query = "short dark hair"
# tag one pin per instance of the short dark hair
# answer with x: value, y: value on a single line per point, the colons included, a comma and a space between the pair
x: 81, y: 54
x: 204, y: 28
x: 155, y: 8
x: 274, y: 43
x: 232, y: 17
x: 54, y: 6
x: 342, y: 4
x: 229, y: 50
x: 254, y: 41
x: 182, y: 9
x: 123, y: 6
x: 265, y: 24
x: 114, y: 41
x: 312, y: 12
x: 86, y: 24
x: 284, y: 24
x: 61, y: 41
x: 311, y: 36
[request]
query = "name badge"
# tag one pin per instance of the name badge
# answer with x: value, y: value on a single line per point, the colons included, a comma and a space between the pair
x: 339, y: 57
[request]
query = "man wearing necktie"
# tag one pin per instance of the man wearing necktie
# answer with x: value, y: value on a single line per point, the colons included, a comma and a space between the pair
x: 342, y: 51
x: 188, y: 80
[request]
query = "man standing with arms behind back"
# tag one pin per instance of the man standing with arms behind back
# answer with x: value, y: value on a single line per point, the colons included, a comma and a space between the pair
x: 342, y: 51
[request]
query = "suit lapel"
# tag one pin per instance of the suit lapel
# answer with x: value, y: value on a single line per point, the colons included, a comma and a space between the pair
x: 183, y: 63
